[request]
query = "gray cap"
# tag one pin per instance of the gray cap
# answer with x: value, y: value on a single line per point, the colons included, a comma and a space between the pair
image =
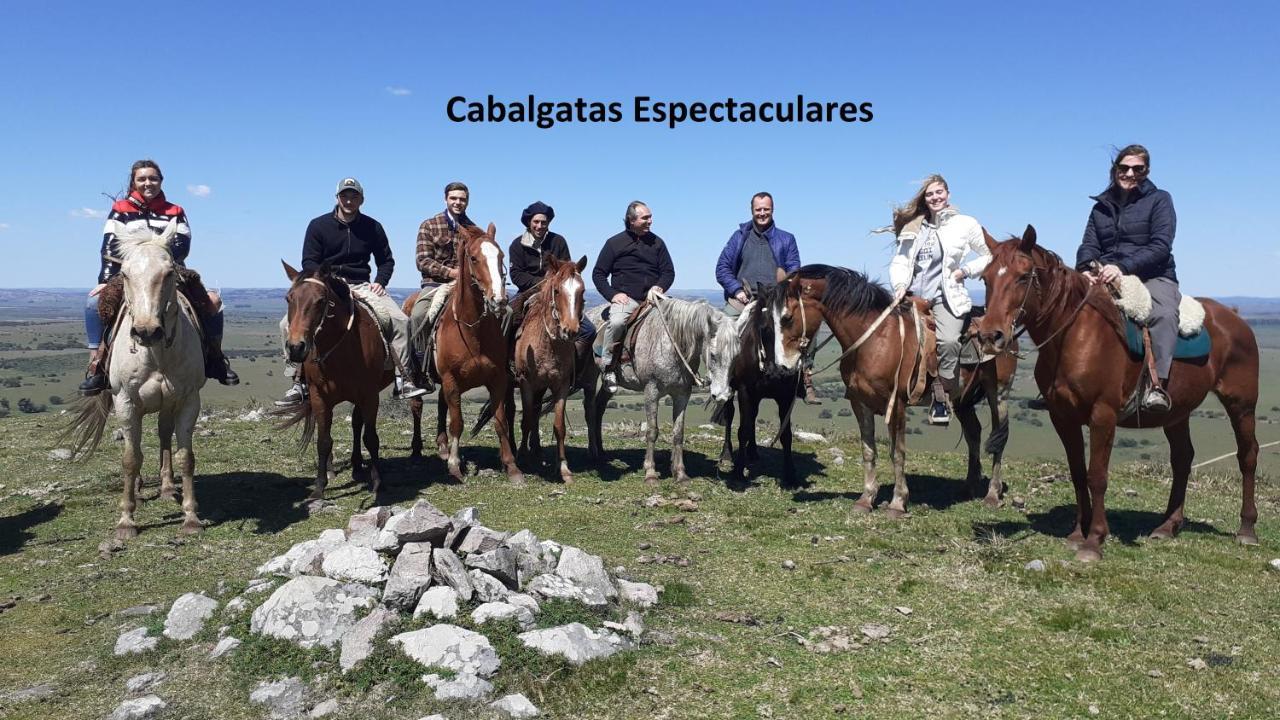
x: 350, y: 184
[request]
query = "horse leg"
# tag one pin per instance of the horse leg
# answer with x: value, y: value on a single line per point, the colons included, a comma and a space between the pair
x: 453, y: 399
x: 415, y: 409
x: 898, y: 449
x: 528, y: 417
x: 186, y: 461
x: 971, y: 428
x: 565, y: 475
x: 1241, y: 410
x: 165, y: 430
x: 357, y: 428
x: 749, y: 409
x: 726, y: 448
x: 679, y: 404
x: 324, y: 445
x: 789, y: 479
x: 1073, y: 445
x: 867, y: 433
x: 130, y: 466
x: 442, y: 440
x: 651, y: 432
x: 747, y: 441
x: 502, y: 415
x: 1181, y: 453
x: 1102, y: 432
x: 997, y: 436
x: 372, y: 443
x: 592, y: 410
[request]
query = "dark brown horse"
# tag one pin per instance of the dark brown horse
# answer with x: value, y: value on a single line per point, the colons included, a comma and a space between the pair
x: 1085, y: 373
x: 343, y: 359
x: 881, y: 373
x: 545, y: 357
x: 471, y: 350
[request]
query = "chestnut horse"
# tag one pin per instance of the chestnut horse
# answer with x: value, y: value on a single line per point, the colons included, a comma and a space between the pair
x: 545, y: 357
x: 1085, y: 373
x: 343, y: 359
x: 878, y: 374
x: 471, y: 350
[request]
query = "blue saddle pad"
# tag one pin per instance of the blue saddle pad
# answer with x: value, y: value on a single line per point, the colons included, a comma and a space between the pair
x: 1196, y: 346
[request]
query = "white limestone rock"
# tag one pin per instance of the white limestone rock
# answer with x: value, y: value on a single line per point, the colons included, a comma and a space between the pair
x: 282, y: 698
x: 515, y: 706
x: 554, y: 586
x: 586, y: 570
x: 142, y: 708
x: 447, y: 569
x: 312, y: 611
x: 576, y: 642
x: 463, y: 686
x: 441, y: 602
x: 452, y: 648
x: 410, y: 577
x: 135, y: 641
x: 352, y: 563
x: 188, y: 615
x: 503, y: 611
x: 640, y: 594
x: 357, y: 644
x: 487, y: 587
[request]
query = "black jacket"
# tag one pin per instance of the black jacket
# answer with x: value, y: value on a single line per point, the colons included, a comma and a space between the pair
x: 347, y: 248
x: 527, y: 266
x: 635, y: 264
x: 1137, y: 238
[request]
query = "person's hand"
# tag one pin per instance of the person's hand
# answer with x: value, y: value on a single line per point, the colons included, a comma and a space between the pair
x: 1109, y: 274
x: 377, y: 289
x: 741, y: 296
x: 97, y: 289
x: 453, y: 273
x: 620, y: 299
x: 958, y: 275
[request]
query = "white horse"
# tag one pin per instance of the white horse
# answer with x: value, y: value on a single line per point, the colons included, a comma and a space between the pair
x: 672, y: 341
x: 156, y: 366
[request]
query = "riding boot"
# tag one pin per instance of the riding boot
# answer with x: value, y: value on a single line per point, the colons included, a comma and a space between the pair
x: 424, y: 375
x: 216, y: 365
x: 810, y: 394
x: 95, y: 378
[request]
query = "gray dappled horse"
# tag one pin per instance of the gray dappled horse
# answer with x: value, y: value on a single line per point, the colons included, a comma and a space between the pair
x: 673, y: 333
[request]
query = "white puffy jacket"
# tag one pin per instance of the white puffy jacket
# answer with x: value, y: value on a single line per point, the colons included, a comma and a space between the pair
x: 959, y: 235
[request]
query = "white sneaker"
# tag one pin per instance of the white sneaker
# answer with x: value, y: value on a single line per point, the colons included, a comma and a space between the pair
x: 611, y: 381
x: 407, y: 390
x: 296, y: 394
x: 1156, y: 400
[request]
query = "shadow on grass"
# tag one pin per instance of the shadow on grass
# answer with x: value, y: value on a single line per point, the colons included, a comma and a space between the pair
x: 768, y: 465
x: 271, y: 500
x: 938, y: 493
x: 15, y: 531
x: 1127, y: 526
x: 619, y: 463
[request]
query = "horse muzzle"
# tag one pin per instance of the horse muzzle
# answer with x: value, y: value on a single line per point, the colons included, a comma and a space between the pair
x: 147, y: 336
x: 991, y: 342
x: 297, y: 352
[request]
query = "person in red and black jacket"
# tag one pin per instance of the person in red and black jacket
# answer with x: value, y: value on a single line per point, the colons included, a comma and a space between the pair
x: 144, y: 206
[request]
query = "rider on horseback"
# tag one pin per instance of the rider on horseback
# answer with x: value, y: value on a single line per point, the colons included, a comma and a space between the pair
x: 345, y: 239
x: 437, y: 254
x: 528, y: 266
x: 933, y: 242
x: 146, y: 207
x: 631, y: 264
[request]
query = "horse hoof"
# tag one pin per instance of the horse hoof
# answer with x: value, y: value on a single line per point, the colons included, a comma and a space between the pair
x: 170, y: 495
x: 455, y: 472
x: 191, y: 527
x: 651, y: 478
x: 1074, y: 541
x: 862, y: 507
x: 516, y: 478
x: 895, y: 513
x: 1244, y: 538
x: 991, y: 503
x: 681, y: 479
x: 1161, y: 534
x: 1088, y: 555
x: 126, y: 532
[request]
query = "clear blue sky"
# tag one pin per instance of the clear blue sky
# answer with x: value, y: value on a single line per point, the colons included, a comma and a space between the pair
x: 256, y: 110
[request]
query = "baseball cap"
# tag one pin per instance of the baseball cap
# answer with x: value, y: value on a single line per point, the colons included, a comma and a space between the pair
x: 350, y: 184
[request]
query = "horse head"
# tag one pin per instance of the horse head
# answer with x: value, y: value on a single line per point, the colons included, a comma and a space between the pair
x: 150, y: 278
x: 312, y: 298
x: 795, y: 312
x: 1014, y: 282
x: 725, y: 335
x: 563, y: 291
x: 480, y: 264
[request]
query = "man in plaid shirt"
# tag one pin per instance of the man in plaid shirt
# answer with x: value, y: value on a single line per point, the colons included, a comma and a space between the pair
x: 437, y: 261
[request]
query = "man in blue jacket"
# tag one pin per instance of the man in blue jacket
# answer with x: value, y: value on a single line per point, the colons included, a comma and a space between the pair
x: 758, y: 252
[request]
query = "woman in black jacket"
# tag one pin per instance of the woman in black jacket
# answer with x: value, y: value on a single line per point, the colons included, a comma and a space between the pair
x: 1130, y: 232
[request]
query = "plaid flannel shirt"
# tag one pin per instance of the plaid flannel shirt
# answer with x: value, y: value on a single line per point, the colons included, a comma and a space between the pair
x: 437, y: 248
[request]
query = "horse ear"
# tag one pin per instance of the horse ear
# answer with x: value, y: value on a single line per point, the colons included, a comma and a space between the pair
x: 582, y: 263
x: 289, y: 271
x: 1028, y: 239
x: 991, y: 242
x: 492, y: 232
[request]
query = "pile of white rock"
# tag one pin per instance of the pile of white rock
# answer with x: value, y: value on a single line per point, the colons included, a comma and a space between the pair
x: 390, y: 563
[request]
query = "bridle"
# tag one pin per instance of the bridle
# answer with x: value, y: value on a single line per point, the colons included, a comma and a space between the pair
x: 1033, y: 283
x: 489, y: 307
x: 317, y: 357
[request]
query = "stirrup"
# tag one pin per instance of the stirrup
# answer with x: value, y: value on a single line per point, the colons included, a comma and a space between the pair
x: 1156, y: 400
x: 939, y: 414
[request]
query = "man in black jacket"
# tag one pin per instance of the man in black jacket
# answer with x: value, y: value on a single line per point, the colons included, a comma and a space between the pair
x: 631, y: 264
x: 345, y: 239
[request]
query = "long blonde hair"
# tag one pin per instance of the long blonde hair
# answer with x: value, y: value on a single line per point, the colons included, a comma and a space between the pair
x: 916, y: 206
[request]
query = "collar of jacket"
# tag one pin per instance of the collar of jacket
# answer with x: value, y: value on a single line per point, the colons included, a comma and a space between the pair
x: 647, y: 237
x: 338, y: 218
x: 157, y: 205
x: 942, y: 216
x: 749, y: 225
x: 1146, y: 188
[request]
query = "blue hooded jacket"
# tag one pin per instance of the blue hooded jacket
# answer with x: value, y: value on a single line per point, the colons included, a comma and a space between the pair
x: 781, y: 242
x: 1137, y: 238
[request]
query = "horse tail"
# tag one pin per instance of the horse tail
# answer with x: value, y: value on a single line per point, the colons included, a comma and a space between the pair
x: 998, y: 437
x: 88, y: 422
x: 299, y: 412
x: 486, y: 414
x: 719, y: 416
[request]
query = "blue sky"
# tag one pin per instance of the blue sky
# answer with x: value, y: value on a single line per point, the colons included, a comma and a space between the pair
x: 256, y: 110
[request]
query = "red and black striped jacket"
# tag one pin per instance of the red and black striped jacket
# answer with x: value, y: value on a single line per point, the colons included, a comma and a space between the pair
x: 132, y: 214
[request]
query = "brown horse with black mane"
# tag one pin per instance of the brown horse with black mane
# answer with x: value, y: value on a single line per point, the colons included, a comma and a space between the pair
x: 471, y: 350
x: 343, y: 359
x: 1086, y: 374
x: 545, y: 357
x: 884, y: 368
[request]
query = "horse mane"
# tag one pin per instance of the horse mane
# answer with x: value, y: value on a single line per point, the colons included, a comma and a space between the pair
x: 1067, y: 287
x: 848, y: 292
x: 540, y: 301
x: 333, y: 282
x: 137, y: 238
x: 688, y: 321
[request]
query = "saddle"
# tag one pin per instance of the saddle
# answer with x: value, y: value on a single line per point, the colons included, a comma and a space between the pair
x: 925, y: 365
x: 628, y: 344
x: 1134, y: 301
x: 423, y: 336
x: 385, y: 331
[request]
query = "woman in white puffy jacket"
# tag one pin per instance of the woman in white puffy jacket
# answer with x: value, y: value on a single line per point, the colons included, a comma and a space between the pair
x: 934, y: 242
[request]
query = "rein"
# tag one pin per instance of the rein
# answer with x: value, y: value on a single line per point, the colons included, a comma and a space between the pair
x: 1034, y: 283
x: 484, y: 304
x: 697, y: 379
x: 319, y: 357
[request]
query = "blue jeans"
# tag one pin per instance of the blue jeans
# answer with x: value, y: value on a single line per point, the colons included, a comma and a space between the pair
x: 586, y: 331
x: 92, y: 323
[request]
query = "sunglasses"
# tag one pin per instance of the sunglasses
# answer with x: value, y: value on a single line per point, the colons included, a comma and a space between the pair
x: 1135, y: 169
